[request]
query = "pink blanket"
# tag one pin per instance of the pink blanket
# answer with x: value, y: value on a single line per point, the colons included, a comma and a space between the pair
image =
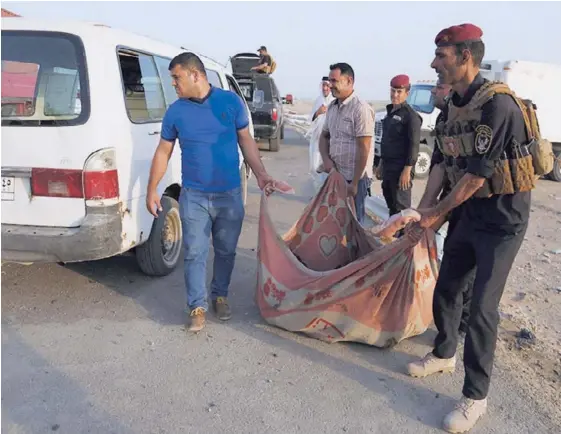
x: 334, y: 280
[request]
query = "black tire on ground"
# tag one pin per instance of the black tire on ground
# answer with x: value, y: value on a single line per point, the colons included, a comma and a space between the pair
x: 555, y: 174
x: 422, y: 167
x: 160, y: 254
x: 243, y: 176
x: 274, y: 143
x: 282, y: 132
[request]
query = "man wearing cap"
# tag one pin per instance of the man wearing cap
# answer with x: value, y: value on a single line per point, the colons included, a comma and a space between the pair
x: 345, y: 143
x: 265, y: 61
x: 479, y: 137
x: 400, y: 146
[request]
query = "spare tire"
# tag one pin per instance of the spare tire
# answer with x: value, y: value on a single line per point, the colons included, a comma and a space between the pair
x: 422, y: 168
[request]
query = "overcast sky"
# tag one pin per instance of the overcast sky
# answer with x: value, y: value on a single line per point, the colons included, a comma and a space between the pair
x: 379, y: 39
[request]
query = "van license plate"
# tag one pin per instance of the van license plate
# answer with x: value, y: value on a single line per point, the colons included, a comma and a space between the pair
x: 8, y: 187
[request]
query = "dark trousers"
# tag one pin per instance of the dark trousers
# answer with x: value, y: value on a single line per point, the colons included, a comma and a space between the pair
x: 467, y: 290
x: 492, y: 254
x: 396, y: 199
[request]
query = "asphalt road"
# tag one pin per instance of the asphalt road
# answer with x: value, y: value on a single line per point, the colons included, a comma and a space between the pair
x: 100, y: 348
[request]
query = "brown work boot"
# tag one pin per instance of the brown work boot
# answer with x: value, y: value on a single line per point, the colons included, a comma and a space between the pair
x: 465, y: 415
x: 222, y: 309
x: 430, y: 364
x: 198, y: 319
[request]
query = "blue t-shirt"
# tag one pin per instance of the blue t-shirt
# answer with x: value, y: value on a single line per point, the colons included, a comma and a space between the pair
x: 207, y: 131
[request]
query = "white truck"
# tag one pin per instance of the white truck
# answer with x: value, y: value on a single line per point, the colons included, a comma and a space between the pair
x: 539, y: 82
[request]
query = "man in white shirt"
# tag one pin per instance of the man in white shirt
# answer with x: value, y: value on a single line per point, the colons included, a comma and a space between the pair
x: 323, y: 100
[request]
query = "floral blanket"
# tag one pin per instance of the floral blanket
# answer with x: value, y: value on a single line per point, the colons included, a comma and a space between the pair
x: 332, y: 279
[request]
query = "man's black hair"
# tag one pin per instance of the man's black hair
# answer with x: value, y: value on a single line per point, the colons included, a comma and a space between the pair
x: 324, y: 78
x: 476, y: 48
x: 188, y: 61
x: 345, y: 69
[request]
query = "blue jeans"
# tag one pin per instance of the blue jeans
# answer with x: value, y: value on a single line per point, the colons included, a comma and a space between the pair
x: 203, y: 214
x: 362, y: 192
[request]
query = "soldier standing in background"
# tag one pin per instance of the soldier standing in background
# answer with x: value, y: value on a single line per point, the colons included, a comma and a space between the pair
x: 400, y: 146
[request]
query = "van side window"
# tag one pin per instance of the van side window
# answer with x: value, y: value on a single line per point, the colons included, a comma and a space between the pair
x: 144, y: 97
x: 163, y: 68
x: 214, y: 78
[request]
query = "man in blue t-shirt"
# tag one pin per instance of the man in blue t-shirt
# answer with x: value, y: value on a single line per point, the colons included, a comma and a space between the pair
x: 209, y: 123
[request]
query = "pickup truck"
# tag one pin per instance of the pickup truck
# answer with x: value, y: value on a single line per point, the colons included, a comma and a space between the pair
x: 263, y: 98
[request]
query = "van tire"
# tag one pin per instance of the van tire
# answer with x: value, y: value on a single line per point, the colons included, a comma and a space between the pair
x: 243, y: 176
x: 274, y: 143
x: 150, y: 255
x: 282, y: 132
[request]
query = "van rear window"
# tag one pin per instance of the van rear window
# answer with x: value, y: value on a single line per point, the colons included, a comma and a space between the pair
x: 43, y: 79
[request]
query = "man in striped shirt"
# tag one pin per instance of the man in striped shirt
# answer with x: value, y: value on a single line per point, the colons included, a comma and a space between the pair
x: 346, y: 140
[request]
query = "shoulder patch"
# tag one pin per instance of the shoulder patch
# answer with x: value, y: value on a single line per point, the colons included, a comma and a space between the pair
x: 483, y: 138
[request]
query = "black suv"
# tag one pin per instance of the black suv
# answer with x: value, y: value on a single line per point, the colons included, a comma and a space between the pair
x: 263, y: 98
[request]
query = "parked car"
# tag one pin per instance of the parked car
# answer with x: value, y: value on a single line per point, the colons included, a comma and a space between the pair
x: 76, y: 161
x: 263, y: 98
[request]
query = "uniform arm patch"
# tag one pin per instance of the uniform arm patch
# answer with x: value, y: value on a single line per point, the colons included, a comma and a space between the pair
x: 483, y: 139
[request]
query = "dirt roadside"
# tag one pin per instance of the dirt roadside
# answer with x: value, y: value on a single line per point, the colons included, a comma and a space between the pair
x: 529, y: 344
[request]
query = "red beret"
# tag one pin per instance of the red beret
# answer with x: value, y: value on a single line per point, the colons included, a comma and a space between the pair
x: 399, y: 81
x: 458, y: 34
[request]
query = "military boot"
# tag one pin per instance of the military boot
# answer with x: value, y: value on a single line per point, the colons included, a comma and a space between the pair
x: 430, y: 364
x: 465, y: 415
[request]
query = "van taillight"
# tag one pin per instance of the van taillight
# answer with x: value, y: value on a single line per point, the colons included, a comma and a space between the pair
x: 99, y: 179
x: 56, y: 182
x: 101, y: 185
x: 275, y: 114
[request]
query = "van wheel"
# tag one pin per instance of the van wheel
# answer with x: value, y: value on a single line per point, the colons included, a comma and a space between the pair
x: 422, y: 168
x: 282, y: 132
x: 159, y: 255
x: 274, y: 143
x: 243, y: 176
x: 555, y: 174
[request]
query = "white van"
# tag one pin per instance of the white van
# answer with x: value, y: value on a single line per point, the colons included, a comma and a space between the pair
x: 82, y: 106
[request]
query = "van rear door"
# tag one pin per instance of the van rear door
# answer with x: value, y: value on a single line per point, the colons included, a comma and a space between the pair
x: 45, y: 106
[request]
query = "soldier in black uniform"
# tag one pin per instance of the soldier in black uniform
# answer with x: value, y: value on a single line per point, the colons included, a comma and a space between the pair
x: 400, y: 147
x: 481, y: 142
x: 440, y: 94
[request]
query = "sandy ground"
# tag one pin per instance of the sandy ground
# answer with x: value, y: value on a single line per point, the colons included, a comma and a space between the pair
x: 100, y: 348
